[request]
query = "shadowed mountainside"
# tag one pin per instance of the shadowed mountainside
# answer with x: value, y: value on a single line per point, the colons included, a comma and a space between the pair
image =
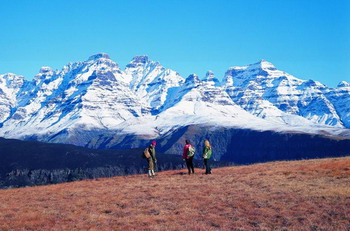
x: 241, y: 146
x: 28, y: 163
x: 297, y: 195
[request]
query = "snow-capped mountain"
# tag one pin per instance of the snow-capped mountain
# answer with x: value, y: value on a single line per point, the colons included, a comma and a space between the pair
x: 266, y: 92
x: 340, y: 99
x: 87, y: 99
x: 195, y: 102
x: 10, y: 86
x: 211, y: 79
x: 150, y: 81
x: 88, y: 95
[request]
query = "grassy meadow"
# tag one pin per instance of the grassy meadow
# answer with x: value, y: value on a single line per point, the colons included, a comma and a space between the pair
x: 291, y: 195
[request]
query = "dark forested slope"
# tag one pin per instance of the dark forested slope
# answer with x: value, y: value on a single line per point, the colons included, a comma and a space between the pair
x: 26, y: 163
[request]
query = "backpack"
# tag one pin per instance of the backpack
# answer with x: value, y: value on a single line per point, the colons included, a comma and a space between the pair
x: 146, y: 154
x: 208, y: 154
x: 191, y: 151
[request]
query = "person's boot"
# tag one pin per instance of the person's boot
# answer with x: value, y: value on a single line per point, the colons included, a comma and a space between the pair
x: 150, y: 173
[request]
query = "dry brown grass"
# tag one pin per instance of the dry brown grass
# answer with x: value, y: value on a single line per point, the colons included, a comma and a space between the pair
x: 300, y: 195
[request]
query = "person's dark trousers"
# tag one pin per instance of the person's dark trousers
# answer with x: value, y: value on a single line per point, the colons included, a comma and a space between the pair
x: 207, y: 166
x: 189, y: 163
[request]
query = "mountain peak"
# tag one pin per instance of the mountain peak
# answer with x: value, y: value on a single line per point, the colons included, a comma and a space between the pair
x: 209, y: 75
x: 45, y: 72
x: 210, y: 78
x: 193, y: 78
x: 99, y: 56
x: 45, y: 69
x: 313, y: 83
x: 344, y: 84
x: 140, y: 59
x: 263, y: 64
x: 11, y: 76
x: 11, y: 80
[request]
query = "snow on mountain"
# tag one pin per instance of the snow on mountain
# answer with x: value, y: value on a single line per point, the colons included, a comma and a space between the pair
x: 340, y: 99
x: 211, y: 79
x: 197, y: 102
x: 194, y: 102
x: 92, y: 95
x: 95, y: 97
x: 344, y: 84
x: 10, y: 86
x: 150, y: 81
x: 265, y: 91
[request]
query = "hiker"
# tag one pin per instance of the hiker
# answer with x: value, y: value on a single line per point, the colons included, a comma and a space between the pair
x: 188, y: 155
x: 207, y: 151
x: 150, y: 154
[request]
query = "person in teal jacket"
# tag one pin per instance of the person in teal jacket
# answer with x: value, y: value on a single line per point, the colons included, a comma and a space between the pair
x: 207, y: 151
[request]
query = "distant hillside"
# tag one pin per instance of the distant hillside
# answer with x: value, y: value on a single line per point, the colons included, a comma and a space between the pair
x: 241, y: 146
x: 28, y: 163
x: 295, y: 195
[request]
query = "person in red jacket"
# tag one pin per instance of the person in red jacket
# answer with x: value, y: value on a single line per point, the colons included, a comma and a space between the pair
x: 189, y: 159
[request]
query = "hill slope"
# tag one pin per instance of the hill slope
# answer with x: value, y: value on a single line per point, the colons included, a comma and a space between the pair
x: 31, y: 163
x: 241, y: 146
x: 299, y: 195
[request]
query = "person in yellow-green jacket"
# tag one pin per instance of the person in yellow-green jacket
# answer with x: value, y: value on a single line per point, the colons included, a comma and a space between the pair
x: 207, y: 151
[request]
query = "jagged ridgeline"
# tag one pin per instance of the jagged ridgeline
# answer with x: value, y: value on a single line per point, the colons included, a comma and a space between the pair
x: 96, y: 103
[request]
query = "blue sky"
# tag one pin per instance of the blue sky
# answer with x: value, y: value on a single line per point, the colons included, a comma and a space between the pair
x: 309, y: 39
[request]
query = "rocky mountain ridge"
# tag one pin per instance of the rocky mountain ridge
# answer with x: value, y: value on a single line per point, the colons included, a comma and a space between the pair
x: 96, y: 97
